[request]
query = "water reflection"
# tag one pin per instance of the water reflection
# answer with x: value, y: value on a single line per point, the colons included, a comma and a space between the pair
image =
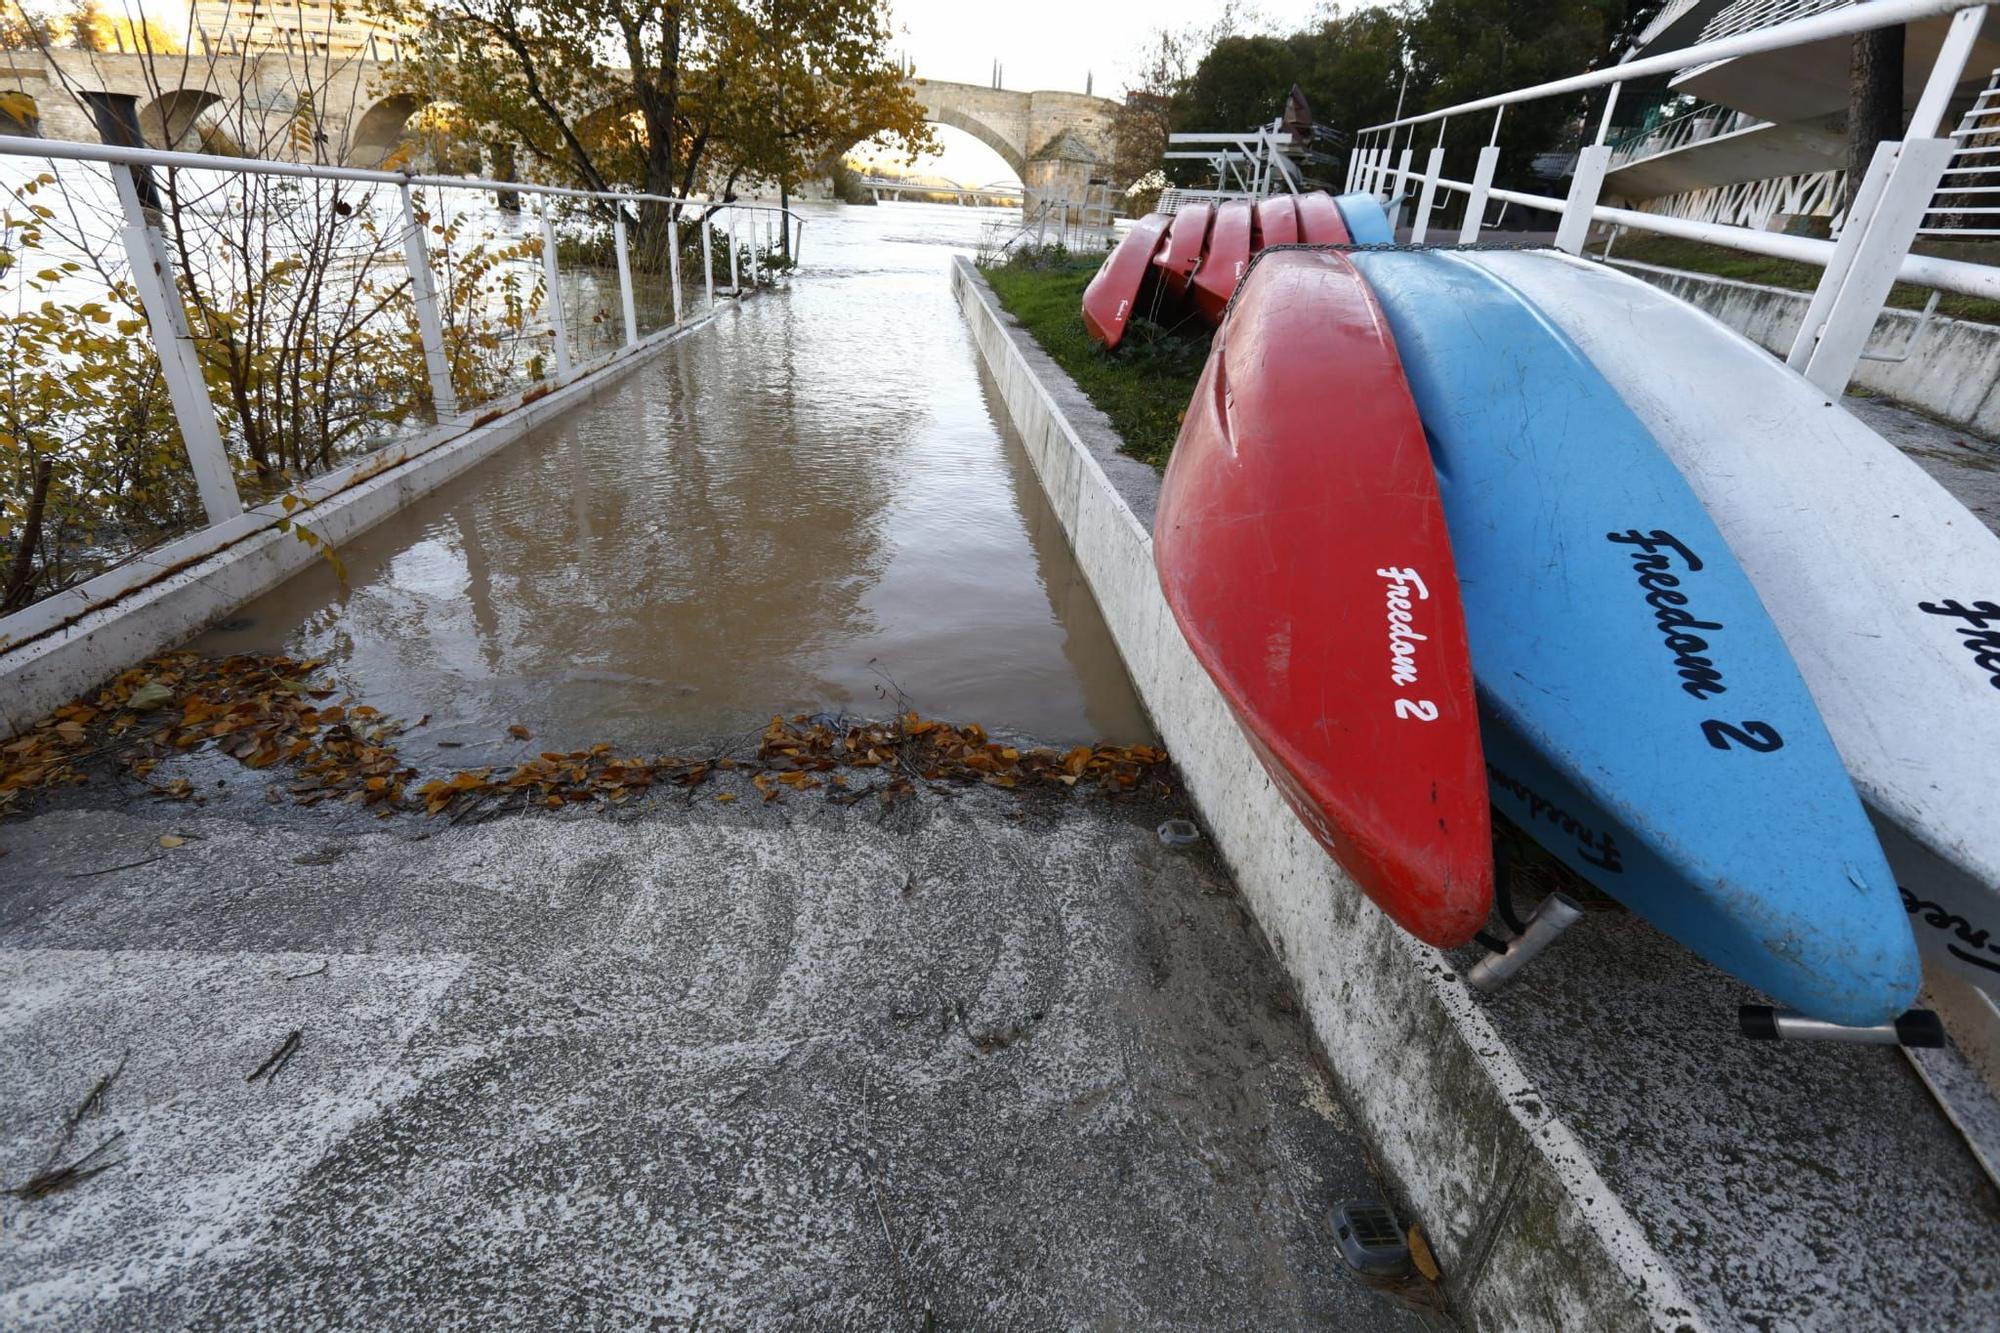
x: 809, y: 506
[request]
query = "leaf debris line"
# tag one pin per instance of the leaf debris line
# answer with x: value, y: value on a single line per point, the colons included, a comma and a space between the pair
x: 272, y: 712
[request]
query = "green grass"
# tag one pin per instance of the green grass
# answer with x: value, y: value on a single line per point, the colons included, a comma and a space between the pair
x: 1144, y: 386
x: 1698, y: 257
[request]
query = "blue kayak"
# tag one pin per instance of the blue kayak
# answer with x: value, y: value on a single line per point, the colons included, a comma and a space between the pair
x: 1366, y: 223
x: 1642, y: 718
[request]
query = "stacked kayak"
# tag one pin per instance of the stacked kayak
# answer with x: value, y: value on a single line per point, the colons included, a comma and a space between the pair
x: 1333, y: 662
x: 1189, y: 264
x: 1642, y: 717
x: 1885, y: 587
x: 1504, y: 426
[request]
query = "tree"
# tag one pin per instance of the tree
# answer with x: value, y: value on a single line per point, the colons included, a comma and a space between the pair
x: 1874, y: 100
x: 1349, y: 68
x: 1168, y: 61
x: 645, y: 92
x: 813, y: 78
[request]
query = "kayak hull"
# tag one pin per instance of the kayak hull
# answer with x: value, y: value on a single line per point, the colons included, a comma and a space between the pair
x: 1277, y: 222
x: 1113, y: 295
x: 1366, y: 221
x: 1223, y: 264
x: 1319, y: 220
x: 1630, y: 680
x: 1848, y: 542
x: 1303, y: 549
x: 1187, y: 237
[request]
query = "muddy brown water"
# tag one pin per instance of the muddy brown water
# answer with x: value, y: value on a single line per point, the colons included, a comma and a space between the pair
x: 814, y: 505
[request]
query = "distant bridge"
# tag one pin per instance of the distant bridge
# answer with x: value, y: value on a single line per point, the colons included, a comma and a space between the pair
x: 999, y: 192
x: 1055, y: 142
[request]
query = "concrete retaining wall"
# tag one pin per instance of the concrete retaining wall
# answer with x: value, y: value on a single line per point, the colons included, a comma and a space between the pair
x: 1524, y: 1227
x: 1953, y: 371
x: 122, y: 618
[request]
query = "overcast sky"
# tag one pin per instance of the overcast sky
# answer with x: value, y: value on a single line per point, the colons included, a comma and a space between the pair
x: 1054, y: 43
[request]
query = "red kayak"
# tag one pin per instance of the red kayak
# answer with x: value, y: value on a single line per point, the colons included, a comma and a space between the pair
x: 1180, y: 257
x: 1111, y: 297
x: 1277, y: 222
x: 1227, y: 256
x: 1302, y: 546
x: 1320, y: 222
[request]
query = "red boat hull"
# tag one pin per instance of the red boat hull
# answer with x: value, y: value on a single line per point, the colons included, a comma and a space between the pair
x: 1302, y: 546
x: 1113, y: 295
x: 1228, y: 255
x: 1277, y: 222
x: 1181, y: 255
x: 1320, y: 222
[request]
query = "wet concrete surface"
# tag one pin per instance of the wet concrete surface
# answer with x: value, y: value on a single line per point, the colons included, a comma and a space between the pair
x: 977, y: 1061
x: 810, y: 506
x: 1965, y: 464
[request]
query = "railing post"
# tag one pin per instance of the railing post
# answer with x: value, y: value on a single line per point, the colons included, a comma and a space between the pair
x: 1859, y: 210
x: 1433, y: 168
x: 707, y: 256
x: 735, y: 280
x: 625, y: 275
x: 1885, y: 240
x: 1895, y: 195
x: 423, y: 292
x: 1591, y: 164
x: 1353, y: 164
x: 1399, y: 180
x: 153, y: 275
x: 674, y: 256
x: 554, y: 283
x: 1475, y: 203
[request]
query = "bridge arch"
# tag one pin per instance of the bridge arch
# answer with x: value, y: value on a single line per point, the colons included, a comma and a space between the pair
x: 173, y: 120
x: 380, y: 128
x: 1016, y: 160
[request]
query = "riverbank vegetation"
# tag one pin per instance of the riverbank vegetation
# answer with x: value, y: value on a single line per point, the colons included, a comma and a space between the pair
x: 1144, y: 386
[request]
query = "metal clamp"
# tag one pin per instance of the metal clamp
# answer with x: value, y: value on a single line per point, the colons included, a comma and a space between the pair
x: 1557, y: 913
x: 1761, y: 1022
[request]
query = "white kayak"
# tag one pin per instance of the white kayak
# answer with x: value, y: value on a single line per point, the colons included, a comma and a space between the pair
x: 1885, y: 588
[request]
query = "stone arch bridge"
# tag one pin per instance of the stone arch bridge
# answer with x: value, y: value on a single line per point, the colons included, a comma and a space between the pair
x: 1054, y: 141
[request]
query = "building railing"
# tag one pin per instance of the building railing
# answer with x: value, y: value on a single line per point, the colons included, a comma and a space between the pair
x: 1697, y: 124
x: 1873, y: 250
x: 751, y: 232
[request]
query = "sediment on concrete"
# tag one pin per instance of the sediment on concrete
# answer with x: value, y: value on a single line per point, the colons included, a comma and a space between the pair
x: 152, y: 604
x: 1949, y: 368
x: 1593, y: 1149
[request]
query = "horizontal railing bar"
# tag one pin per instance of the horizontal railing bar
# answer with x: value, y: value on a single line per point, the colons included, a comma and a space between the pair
x: 1951, y: 275
x: 1845, y: 22
x: 64, y: 150
x: 1958, y: 231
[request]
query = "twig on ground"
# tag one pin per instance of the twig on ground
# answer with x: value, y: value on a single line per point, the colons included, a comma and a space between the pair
x: 278, y: 1059
x: 129, y: 865
x: 53, y: 1180
x: 300, y: 976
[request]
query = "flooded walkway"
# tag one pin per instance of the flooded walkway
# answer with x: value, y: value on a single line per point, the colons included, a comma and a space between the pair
x: 728, y: 1055
x: 811, y: 506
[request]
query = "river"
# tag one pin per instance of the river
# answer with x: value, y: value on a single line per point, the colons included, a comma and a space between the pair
x: 814, y: 505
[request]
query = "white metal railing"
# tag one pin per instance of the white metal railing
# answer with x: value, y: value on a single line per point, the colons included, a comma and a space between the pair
x: 1967, y: 202
x: 1246, y: 166
x: 158, y: 288
x: 1873, y: 251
